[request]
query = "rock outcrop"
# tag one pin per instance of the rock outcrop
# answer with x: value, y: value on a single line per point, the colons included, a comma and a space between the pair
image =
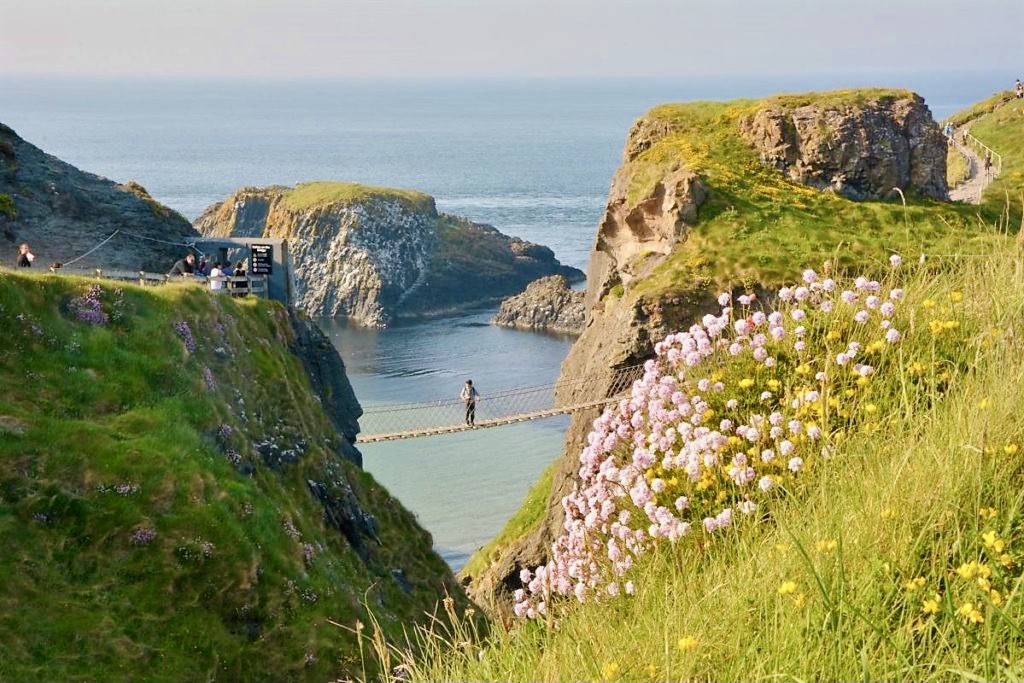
x: 861, y: 150
x: 63, y: 212
x: 373, y: 255
x: 546, y: 304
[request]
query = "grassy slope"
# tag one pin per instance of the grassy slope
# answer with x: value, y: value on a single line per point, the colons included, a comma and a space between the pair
x: 1002, y: 129
x: 899, y: 503
x: 759, y: 227
x: 318, y: 193
x: 957, y: 168
x: 85, y: 409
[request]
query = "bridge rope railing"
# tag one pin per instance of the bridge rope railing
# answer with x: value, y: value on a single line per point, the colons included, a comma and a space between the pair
x: 408, y: 420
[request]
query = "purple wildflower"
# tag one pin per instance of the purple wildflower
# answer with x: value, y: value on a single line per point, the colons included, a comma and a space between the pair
x: 185, y: 332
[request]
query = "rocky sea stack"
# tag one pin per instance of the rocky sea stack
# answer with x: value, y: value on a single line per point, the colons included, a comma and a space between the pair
x: 63, y: 212
x: 374, y: 255
x: 546, y: 304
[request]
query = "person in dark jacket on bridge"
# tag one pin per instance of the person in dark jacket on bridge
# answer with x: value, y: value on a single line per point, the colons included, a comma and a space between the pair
x: 185, y: 266
x: 469, y: 396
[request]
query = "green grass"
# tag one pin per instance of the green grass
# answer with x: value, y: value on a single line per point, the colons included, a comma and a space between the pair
x: 7, y: 206
x: 1002, y: 129
x: 758, y: 226
x: 958, y: 169
x: 320, y: 193
x: 223, y: 591
x: 900, y: 501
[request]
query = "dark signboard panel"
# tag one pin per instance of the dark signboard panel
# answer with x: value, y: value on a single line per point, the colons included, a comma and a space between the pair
x: 261, y: 259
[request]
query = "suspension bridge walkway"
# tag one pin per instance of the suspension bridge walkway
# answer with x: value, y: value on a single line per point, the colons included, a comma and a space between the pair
x: 394, y: 422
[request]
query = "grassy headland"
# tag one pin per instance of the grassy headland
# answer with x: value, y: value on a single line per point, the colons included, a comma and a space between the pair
x: 320, y: 193
x: 158, y: 451
x: 758, y: 226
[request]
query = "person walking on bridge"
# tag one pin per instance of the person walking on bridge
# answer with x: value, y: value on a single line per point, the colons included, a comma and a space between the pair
x: 469, y: 396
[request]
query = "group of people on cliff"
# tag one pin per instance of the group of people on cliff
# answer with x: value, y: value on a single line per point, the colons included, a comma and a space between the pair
x: 187, y: 267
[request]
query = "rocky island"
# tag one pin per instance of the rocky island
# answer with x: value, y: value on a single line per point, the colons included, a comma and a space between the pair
x: 546, y: 304
x: 374, y: 255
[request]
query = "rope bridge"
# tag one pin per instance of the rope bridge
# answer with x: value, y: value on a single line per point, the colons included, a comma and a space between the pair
x: 428, y: 418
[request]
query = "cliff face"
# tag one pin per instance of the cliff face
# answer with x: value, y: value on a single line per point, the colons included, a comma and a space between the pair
x: 63, y: 212
x: 546, y: 304
x: 860, y: 150
x: 377, y: 254
x: 691, y: 170
x: 181, y: 493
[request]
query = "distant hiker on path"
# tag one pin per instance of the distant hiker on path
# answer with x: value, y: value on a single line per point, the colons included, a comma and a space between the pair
x: 469, y: 396
x: 988, y: 163
x: 1018, y: 88
x: 25, y: 256
x: 948, y: 130
x: 185, y: 266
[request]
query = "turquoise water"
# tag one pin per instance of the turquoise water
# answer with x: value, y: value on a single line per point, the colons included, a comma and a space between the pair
x: 534, y: 159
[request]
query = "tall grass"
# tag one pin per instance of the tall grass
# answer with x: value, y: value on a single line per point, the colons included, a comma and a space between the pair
x: 866, y: 573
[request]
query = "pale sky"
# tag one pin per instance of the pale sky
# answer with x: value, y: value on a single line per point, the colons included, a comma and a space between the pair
x: 505, y: 38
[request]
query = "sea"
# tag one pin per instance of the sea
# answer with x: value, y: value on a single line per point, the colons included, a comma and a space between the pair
x: 534, y: 158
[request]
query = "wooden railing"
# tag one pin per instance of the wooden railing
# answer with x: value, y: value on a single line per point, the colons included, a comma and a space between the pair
x: 996, y: 157
x: 240, y: 285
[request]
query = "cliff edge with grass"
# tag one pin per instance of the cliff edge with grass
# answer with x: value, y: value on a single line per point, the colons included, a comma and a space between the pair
x: 374, y: 254
x: 180, y: 498
x: 715, y: 196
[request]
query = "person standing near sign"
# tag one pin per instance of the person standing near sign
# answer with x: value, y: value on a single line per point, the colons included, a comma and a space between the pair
x: 469, y: 396
x: 239, y: 286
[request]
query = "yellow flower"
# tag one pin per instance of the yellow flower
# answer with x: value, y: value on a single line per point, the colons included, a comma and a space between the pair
x: 774, y: 384
x: 781, y: 548
x: 995, y: 598
x: 914, y: 584
x: 833, y: 335
x: 798, y: 599
x: 984, y: 404
x: 928, y: 303
x: 968, y: 570
x: 956, y: 297
x: 1010, y: 448
x: 970, y: 613
x: 687, y: 643
x: 993, y: 542
x: 931, y: 605
x: 827, y: 546
x: 609, y: 670
x: 984, y: 571
x: 652, y: 672
x: 870, y: 409
x: 1006, y: 560
x: 787, y: 588
x: 746, y: 383
x: 888, y: 513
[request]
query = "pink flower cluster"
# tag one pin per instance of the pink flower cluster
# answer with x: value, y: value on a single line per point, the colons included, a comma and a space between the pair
x: 694, y: 448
